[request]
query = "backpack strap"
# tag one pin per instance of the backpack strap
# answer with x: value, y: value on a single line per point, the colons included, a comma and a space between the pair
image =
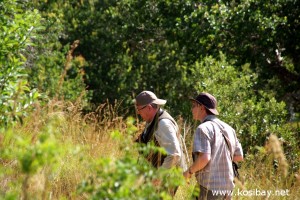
x: 234, y: 165
x: 228, y: 144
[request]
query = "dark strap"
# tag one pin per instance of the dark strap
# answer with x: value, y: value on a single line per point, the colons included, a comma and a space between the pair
x: 154, y: 157
x: 234, y: 165
x: 226, y: 140
x: 147, y: 134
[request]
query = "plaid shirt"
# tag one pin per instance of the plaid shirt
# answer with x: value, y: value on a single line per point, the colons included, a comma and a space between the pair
x: 218, y: 173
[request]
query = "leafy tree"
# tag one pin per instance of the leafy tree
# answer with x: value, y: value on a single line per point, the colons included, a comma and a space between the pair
x: 262, y: 33
x: 121, y: 56
x: 254, y: 114
x: 54, y: 68
x: 33, y: 61
x: 17, y: 26
x: 134, y: 45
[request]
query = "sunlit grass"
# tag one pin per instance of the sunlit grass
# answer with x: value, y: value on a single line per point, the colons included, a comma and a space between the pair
x: 82, y: 139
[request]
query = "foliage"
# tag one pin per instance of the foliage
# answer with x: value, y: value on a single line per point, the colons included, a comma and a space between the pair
x: 149, y: 38
x: 55, y: 150
x: 64, y: 159
x: 17, y: 27
x: 34, y: 153
x: 130, y: 45
x: 54, y: 68
x: 253, y: 113
x: 118, y: 48
x: 129, y: 177
x: 33, y: 61
x: 123, y: 57
x: 261, y: 33
x: 268, y: 170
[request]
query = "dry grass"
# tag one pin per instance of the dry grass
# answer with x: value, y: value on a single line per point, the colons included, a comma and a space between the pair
x: 267, y: 171
x: 84, y: 138
x: 87, y: 138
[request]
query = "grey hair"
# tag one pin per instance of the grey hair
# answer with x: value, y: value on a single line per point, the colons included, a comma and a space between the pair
x: 154, y: 105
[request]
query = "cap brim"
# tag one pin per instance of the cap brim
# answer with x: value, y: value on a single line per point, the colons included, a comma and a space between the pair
x: 214, y: 111
x: 159, y: 101
x: 193, y: 99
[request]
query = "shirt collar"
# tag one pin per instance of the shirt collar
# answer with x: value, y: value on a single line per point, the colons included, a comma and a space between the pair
x: 209, y: 118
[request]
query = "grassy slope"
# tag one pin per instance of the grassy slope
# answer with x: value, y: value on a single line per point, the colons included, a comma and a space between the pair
x: 78, y: 141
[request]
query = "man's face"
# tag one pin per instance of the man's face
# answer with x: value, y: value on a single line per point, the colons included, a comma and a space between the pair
x: 196, y: 110
x: 143, y: 111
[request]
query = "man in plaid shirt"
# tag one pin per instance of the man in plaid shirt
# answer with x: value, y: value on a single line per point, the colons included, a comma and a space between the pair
x: 215, y: 147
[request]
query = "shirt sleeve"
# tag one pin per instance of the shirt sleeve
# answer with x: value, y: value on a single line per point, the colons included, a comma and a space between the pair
x: 201, y: 141
x: 238, y: 148
x: 167, y: 139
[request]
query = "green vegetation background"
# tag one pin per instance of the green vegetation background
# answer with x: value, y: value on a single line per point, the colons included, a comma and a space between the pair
x: 70, y: 69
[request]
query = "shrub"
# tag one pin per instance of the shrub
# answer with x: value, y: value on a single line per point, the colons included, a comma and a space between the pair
x: 18, y: 25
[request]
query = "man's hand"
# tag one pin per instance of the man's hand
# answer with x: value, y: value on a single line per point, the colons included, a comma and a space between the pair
x: 187, y: 175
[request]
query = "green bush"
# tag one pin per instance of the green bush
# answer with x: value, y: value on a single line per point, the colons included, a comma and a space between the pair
x: 18, y: 26
x: 33, y: 62
x: 129, y: 177
x: 252, y: 112
x: 32, y: 154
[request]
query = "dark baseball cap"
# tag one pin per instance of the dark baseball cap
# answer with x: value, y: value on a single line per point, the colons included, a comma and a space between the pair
x: 208, y: 100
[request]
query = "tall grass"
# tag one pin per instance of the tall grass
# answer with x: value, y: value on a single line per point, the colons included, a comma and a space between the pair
x: 57, y: 148
x: 266, y: 174
x: 78, y: 142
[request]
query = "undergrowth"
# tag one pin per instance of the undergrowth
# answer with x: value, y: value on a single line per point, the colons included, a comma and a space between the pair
x: 59, y: 153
